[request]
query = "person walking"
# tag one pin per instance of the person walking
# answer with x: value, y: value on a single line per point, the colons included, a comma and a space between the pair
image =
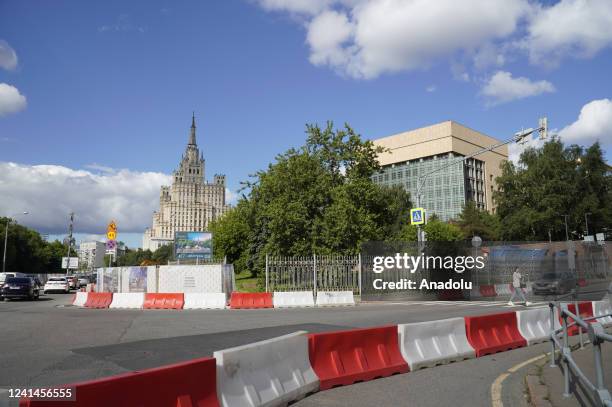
x: 517, y: 284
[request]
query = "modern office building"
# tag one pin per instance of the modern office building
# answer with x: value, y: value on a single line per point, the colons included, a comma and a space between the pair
x: 91, y: 254
x: 434, y: 156
x: 190, y: 203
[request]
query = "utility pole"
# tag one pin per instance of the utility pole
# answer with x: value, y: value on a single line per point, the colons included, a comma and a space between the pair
x: 69, y: 242
x: 566, y: 232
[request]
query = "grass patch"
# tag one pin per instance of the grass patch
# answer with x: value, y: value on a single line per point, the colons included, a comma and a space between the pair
x: 246, y: 283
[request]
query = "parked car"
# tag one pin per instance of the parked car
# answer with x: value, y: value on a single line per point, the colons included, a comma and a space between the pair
x: 73, y: 282
x: 57, y: 284
x: 4, y: 276
x: 554, y: 283
x: 20, y: 287
x: 83, y: 281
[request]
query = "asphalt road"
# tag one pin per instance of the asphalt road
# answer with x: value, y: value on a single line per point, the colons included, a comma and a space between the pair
x: 45, y: 343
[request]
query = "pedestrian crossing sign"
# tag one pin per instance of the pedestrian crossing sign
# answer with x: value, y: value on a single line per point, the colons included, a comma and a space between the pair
x: 417, y: 216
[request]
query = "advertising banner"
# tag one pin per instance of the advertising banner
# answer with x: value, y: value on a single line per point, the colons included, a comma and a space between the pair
x: 138, y: 279
x: 193, y: 245
x: 110, y: 283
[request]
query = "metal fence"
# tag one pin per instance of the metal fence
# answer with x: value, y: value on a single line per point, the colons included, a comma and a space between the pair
x: 596, y: 334
x: 313, y: 273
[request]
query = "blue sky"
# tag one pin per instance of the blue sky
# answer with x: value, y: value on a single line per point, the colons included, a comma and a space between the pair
x: 103, y: 92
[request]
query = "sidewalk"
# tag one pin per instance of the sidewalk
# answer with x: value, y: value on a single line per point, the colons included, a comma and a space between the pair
x: 552, y: 377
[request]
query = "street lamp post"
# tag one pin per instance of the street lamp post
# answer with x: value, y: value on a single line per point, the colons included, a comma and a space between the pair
x: 8, y: 220
x: 520, y: 136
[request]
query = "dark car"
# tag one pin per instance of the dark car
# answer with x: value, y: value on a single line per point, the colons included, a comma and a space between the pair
x: 20, y: 287
x: 554, y: 283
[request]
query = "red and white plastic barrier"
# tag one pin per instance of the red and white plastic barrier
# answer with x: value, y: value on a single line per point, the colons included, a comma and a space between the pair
x: 283, y: 369
x: 289, y: 299
x: 431, y: 343
x: 204, y: 301
x: 331, y: 298
x: 273, y: 372
x: 128, y: 300
x: 80, y: 299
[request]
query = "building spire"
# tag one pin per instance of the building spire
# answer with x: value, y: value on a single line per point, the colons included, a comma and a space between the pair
x: 192, y: 134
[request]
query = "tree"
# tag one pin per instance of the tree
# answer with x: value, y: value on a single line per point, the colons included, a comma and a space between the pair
x: 477, y: 222
x: 549, y: 182
x: 315, y: 199
x: 27, y: 252
x: 435, y: 230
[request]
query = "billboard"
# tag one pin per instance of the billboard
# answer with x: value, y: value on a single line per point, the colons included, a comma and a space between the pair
x: 192, y: 245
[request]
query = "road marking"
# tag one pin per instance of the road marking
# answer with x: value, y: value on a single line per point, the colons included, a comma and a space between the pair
x: 496, y: 387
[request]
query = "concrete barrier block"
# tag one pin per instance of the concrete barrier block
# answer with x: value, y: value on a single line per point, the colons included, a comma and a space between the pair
x: 534, y: 324
x: 128, y: 300
x: 273, y: 372
x: 326, y: 298
x: 287, y: 299
x: 80, y: 299
x: 602, y: 308
x: 204, y: 301
x: 431, y: 343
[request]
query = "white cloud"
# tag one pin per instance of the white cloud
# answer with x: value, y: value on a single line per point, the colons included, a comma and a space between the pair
x: 8, y: 56
x: 516, y: 149
x: 593, y: 124
x: 366, y: 38
x: 578, y: 28
x: 50, y: 192
x: 11, y: 101
x: 327, y: 34
x: 502, y: 87
x: 431, y: 88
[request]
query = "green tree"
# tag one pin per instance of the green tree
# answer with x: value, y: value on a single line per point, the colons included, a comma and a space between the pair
x: 318, y: 198
x: 478, y: 222
x: 435, y: 230
x: 27, y: 252
x: 163, y: 254
x: 549, y: 182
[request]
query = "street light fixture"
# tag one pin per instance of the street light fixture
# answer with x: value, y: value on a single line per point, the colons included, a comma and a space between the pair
x: 8, y: 220
x: 518, y: 137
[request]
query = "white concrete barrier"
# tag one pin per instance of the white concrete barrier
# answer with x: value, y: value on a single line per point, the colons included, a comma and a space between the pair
x: 503, y: 289
x: 286, y: 299
x: 602, y: 308
x: 127, y: 300
x: 80, y: 299
x: 204, y: 301
x: 335, y: 298
x: 267, y: 373
x: 534, y: 324
x: 431, y: 343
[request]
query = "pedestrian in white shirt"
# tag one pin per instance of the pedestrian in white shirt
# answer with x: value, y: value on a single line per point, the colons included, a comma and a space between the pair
x: 518, y: 290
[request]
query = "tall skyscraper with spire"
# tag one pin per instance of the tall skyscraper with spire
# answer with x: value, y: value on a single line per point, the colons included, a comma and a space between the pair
x: 190, y: 203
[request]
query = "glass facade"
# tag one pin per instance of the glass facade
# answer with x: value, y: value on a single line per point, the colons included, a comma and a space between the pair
x: 445, y: 191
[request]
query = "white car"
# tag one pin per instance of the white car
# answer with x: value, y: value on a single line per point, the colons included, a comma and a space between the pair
x: 57, y: 284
